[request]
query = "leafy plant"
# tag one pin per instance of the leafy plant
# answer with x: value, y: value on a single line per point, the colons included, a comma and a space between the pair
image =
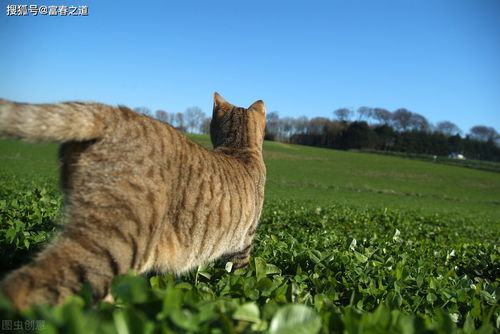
x: 326, y: 269
x: 317, y: 266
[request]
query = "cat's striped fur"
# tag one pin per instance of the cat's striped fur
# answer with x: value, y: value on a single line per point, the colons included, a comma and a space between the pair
x: 139, y: 194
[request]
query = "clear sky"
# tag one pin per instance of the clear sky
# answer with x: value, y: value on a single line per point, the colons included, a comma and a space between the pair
x: 437, y: 58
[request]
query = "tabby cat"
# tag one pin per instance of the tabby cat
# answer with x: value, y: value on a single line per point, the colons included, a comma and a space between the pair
x: 139, y: 194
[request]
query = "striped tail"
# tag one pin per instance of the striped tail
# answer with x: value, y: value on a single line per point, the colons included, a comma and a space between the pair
x: 60, y: 122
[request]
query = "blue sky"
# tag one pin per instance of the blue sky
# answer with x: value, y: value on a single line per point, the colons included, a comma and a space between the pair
x: 437, y: 58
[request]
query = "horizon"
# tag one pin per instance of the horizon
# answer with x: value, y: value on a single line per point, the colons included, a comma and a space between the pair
x: 438, y: 59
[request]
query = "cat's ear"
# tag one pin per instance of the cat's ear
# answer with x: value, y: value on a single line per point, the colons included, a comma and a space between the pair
x: 218, y: 101
x: 258, y: 106
x: 221, y: 107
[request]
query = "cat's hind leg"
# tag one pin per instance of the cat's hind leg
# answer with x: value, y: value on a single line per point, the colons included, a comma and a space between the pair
x: 240, y: 258
x: 58, y: 272
x: 77, y: 257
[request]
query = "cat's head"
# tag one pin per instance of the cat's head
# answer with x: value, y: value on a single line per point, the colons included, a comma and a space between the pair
x: 237, y: 127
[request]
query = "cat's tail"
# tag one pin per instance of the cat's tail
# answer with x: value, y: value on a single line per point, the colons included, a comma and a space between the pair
x: 58, y: 122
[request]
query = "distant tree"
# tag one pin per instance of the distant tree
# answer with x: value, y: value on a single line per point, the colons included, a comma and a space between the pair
x: 205, y: 125
x: 401, y: 119
x: 300, y: 125
x: 455, y: 144
x: 143, y: 110
x: 419, y: 123
x: 171, y: 118
x: 484, y: 133
x: 317, y: 125
x: 179, y: 121
x: 386, y: 137
x: 272, y: 117
x: 285, y: 126
x: 364, y: 113
x: 357, y: 135
x: 382, y: 115
x: 162, y: 115
x: 272, y: 124
x: 343, y: 114
x: 193, y: 117
x: 402, y: 131
x: 448, y: 128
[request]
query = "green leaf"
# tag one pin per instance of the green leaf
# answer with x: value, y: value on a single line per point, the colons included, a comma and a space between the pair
x: 260, y: 267
x: 271, y: 269
x: 360, y: 257
x: 120, y: 323
x: 184, y: 286
x: 155, y: 282
x: 247, y: 312
x: 431, y: 298
x: 297, y: 319
x: 72, y: 312
x: 130, y: 289
x: 202, y: 271
x: 184, y: 319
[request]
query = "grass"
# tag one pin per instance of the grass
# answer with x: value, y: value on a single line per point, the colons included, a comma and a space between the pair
x: 491, y: 166
x: 28, y: 159
x: 324, y: 176
x: 348, y: 243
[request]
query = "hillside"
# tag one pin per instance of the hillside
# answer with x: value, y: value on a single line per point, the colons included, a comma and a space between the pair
x: 330, y: 176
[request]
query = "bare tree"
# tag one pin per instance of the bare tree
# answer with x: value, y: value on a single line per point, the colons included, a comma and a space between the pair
x: 419, y: 122
x: 205, y: 125
x: 364, y: 113
x: 300, y: 124
x: 484, y: 133
x: 179, y: 121
x: 143, y: 110
x: 285, y: 128
x: 272, y: 126
x: 401, y: 119
x: 343, y: 114
x: 448, y: 128
x: 171, y: 118
x: 193, y: 117
x: 162, y: 115
x: 272, y: 117
x: 382, y: 115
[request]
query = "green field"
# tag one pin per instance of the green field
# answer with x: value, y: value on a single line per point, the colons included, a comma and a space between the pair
x: 324, y: 176
x: 348, y: 243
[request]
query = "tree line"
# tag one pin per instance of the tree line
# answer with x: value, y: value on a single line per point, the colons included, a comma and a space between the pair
x: 365, y: 128
x: 381, y: 129
x: 192, y: 120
